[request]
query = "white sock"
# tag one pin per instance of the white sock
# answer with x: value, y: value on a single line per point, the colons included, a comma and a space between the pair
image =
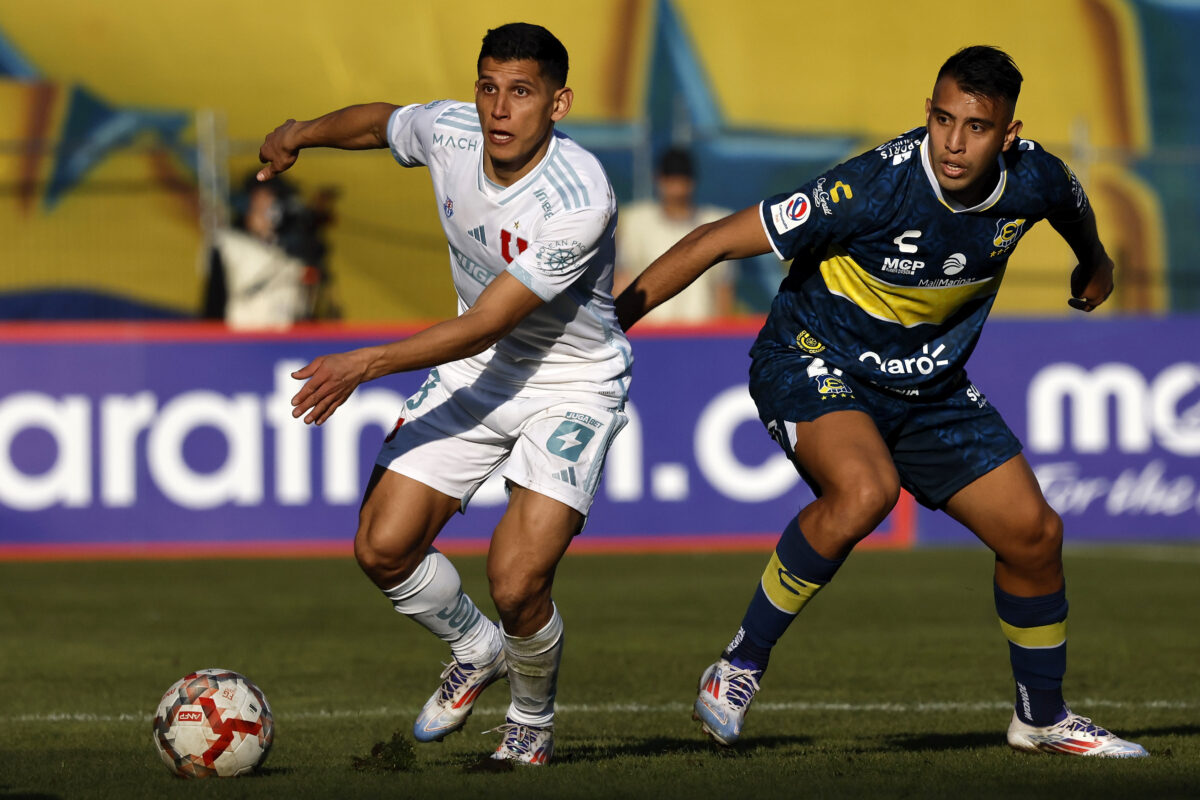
x: 533, y: 672
x: 433, y: 597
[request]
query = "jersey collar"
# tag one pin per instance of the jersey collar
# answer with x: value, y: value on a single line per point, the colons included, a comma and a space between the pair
x: 950, y: 202
x: 504, y: 194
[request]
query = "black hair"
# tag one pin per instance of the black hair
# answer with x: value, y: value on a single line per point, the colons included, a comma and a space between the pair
x: 517, y: 41
x: 677, y: 161
x: 984, y: 71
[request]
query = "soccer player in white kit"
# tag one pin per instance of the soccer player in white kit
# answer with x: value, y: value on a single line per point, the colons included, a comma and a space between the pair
x: 530, y: 377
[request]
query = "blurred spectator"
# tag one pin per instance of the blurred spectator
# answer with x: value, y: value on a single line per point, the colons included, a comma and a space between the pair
x: 270, y: 269
x: 647, y: 229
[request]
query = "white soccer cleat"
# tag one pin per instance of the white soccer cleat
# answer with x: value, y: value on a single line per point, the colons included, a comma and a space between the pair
x: 524, y: 744
x: 447, y: 710
x: 725, y: 695
x: 1074, y: 736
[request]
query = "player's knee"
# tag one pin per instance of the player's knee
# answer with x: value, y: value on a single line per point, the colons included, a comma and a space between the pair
x: 867, y: 503
x: 1045, y: 532
x: 384, y: 564
x: 1037, y: 543
x: 516, y: 594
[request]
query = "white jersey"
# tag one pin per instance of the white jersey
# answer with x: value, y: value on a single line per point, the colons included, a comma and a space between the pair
x: 552, y: 230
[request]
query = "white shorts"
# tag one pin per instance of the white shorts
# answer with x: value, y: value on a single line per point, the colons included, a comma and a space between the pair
x: 453, y: 438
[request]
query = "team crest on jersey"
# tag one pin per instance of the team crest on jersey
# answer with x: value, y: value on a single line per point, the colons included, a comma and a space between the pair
x: 511, y: 245
x: 1008, y: 232
x: 829, y: 385
x: 808, y: 343
x: 791, y: 213
x: 448, y: 207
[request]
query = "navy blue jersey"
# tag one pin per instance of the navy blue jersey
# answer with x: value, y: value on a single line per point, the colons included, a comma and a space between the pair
x: 891, y: 281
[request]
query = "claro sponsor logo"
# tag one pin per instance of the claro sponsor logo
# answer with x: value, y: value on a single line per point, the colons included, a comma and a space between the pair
x: 1114, y: 406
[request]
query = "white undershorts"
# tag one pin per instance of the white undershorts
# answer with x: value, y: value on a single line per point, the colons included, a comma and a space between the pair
x: 452, y: 438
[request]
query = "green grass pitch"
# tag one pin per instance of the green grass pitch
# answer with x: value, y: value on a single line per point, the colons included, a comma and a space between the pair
x: 894, y: 683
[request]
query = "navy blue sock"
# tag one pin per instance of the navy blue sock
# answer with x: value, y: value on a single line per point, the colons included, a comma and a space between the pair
x: 1036, y: 628
x: 794, y: 574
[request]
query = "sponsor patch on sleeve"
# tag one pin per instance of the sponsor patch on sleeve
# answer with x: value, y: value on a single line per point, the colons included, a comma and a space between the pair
x: 791, y: 213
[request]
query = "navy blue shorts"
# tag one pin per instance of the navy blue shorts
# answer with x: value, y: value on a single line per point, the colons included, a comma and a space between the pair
x: 938, y: 444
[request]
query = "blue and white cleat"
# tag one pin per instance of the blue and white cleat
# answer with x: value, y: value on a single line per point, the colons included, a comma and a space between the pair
x: 725, y: 695
x: 1074, y: 736
x: 524, y: 744
x: 447, y: 710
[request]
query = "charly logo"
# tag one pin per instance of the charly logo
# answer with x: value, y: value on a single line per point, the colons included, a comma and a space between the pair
x: 903, y: 244
x: 791, y: 582
x: 808, y: 343
x: 955, y: 264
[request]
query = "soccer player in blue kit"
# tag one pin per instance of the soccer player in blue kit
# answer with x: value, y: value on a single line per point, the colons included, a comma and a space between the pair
x: 859, y: 374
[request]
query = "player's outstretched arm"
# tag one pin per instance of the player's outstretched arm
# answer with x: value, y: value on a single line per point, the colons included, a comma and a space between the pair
x: 331, y: 379
x: 740, y: 235
x: 1092, y: 279
x: 360, y: 127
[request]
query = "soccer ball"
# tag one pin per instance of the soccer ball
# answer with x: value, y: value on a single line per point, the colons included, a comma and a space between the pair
x: 213, y: 722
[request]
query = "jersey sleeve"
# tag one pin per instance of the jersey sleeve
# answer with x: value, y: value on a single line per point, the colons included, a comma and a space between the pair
x: 1068, y: 201
x: 564, y: 249
x: 815, y: 215
x: 410, y: 132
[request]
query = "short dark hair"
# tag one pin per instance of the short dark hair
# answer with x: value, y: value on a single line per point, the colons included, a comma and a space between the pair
x: 984, y: 71
x: 517, y: 41
x: 677, y: 161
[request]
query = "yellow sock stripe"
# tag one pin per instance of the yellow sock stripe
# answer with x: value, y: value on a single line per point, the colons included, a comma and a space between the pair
x: 786, y: 592
x: 1040, y: 637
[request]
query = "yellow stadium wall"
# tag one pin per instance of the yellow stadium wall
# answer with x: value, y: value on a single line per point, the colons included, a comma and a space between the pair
x: 857, y: 69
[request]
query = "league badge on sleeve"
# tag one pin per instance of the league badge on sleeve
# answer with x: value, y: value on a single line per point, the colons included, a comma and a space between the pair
x: 791, y: 213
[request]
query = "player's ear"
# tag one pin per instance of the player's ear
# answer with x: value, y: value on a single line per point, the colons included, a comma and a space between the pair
x: 928, y: 109
x: 563, y: 98
x: 1011, y: 133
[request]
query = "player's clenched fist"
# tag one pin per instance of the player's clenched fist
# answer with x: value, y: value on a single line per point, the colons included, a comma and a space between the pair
x: 278, y: 151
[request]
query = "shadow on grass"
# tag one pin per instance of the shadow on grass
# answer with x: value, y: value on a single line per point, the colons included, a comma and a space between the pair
x: 8, y: 793
x: 940, y: 742
x: 588, y: 753
x: 669, y: 746
x: 268, y: 771
x: 1171, y: 730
